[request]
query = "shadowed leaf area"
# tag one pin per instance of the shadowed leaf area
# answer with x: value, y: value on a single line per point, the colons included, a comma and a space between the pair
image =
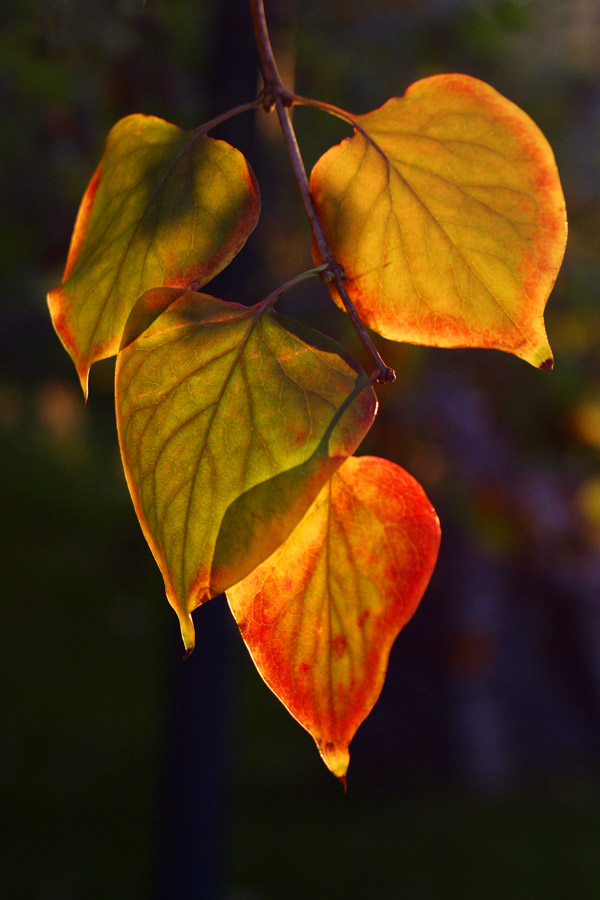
x: 445, y: 209
x: 164, y: 207
x: 319, y: 616
x: 230, y: 421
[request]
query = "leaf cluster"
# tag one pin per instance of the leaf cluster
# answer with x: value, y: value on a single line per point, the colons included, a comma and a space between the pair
x: 440, y: 221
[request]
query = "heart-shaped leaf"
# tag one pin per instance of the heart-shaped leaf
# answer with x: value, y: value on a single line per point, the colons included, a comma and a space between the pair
x: 230, y: 421
x: 320, y: 615
x: 164, y: 207
x: 446, y: 211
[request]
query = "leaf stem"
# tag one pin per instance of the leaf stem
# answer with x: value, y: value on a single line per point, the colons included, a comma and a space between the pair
x: 276, y: 95
x: 297, y: 279
x: 223, y: 117
x: 336, y: 111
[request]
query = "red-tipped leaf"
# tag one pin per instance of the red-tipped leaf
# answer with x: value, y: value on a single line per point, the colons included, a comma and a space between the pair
x: 320, y: 615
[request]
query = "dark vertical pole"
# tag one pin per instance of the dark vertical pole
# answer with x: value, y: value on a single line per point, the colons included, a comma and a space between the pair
x: 194, y: 806
x: 194, y: 832
x: 234, y: 80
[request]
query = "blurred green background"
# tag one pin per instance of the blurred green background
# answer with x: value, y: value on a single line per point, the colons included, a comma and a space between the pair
x: 127, y: 773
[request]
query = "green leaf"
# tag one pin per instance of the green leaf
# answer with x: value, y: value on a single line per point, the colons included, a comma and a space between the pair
x: 446, y: 211
x: 230, y: 421
x: 320, y: 615
x: 164, y: 207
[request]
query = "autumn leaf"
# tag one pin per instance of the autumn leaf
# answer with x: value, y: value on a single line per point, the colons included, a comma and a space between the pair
x: 320, y: 615
x: 230, y: 421
x: 164, y: 207
x: 446, y: 211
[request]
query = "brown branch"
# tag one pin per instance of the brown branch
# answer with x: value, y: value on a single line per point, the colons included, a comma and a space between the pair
x: 276, y: 95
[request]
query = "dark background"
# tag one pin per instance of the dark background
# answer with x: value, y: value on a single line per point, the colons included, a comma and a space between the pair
x: 127, y: 773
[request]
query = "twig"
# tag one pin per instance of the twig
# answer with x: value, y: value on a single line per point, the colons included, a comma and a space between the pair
x: 218, y: 120
x: 276, y: 95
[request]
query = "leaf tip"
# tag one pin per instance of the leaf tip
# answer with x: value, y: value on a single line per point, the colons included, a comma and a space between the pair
x: 84, y: 378
x: 538, y: 353
x: 188, y: 633
x: 56, y: 300
x: 336, y: 759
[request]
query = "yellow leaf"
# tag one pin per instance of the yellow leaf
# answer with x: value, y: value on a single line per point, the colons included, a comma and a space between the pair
x: 164, y: 207
x: 446, y: 211
x: 230, y: 419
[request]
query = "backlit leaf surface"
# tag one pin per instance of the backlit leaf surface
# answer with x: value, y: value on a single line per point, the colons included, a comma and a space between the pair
x: 446, y: 211
x: 320, y: 615
x: 230, y: 421
x: 164, y: 207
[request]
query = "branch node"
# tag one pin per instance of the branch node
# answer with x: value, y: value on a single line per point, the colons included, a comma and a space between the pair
x: 272, y: 92
x: 267, y: 99
x: 386, y: 375
x: 383, y: 375
x: 333, y: 271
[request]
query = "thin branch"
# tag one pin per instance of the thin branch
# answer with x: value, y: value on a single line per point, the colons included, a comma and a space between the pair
x: 297, y: 279
x: 334, y: 272
x: 223, y: 117
x: 275, y: 94
x: 268, y: 66
x: 336, y: 111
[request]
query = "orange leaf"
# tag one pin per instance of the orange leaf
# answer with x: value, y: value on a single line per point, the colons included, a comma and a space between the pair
x: 320, y: 615
x: 446, y: 211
